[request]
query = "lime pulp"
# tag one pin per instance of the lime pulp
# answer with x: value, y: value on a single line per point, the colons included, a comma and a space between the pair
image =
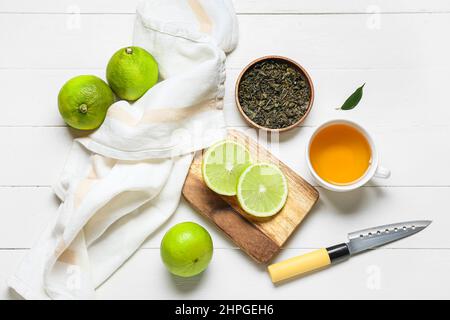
x: 262, y: 190
x: 222, y: 165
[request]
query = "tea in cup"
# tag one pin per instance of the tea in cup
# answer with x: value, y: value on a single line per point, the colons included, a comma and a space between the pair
x: 341, y: 156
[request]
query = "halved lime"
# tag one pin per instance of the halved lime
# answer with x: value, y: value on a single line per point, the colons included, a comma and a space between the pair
x: 222, y: 165
x: 262, y: 190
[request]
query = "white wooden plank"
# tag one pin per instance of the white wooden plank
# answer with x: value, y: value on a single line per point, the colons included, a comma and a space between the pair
x: 381, y: 274
x: 334, y: 216
x: 407, y: 151
x: 333, y: 6
x: 64, y: 41
x: 319, y: 41
x: 69, y: 6
x: 230, y: 276
x: 241, y: 6
x: 417, y: 155
x: 346, y: 41
x: 9, y: 260
x: 39, y: 106
x: 392, y: 97
x: 25, y: 212
x: 33, y: 156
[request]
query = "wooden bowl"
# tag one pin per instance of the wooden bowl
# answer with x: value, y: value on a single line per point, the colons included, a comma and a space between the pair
x: 296, y: 66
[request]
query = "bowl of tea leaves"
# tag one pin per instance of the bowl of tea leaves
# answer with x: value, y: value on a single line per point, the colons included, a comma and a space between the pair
x: 274, y: 93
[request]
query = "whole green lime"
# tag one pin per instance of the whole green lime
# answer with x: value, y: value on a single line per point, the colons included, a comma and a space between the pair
x: 131, y: 71
x: 186, y: 249
x: 83, y: 102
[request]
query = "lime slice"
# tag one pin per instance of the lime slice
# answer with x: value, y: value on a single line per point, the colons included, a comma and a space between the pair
x: 262, y: 190
x: 222, y: 165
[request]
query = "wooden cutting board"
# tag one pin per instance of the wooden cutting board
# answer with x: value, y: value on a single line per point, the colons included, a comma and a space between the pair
x: 261, y: 239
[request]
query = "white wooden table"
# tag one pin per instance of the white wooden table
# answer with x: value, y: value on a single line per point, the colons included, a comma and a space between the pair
x: 401, y: 49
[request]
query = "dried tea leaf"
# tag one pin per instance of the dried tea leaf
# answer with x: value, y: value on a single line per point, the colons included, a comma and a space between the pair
x: 354, y: 99
x: 273, y: 94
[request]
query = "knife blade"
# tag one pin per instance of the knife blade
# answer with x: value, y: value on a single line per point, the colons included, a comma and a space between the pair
x: 359, y: 241
x: 370, y: 238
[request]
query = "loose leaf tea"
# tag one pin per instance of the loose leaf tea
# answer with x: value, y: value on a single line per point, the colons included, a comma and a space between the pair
x: 354, y: 99
x: 274, y: 94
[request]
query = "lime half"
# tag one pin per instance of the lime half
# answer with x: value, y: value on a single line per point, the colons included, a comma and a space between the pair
x: 262, y: 190
x: 222, y: 165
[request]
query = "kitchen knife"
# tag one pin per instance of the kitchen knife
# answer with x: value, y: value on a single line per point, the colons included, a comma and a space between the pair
x: 359, y: 241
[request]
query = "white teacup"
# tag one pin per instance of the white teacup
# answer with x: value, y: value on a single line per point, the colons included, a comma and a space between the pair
x: 374, y: 169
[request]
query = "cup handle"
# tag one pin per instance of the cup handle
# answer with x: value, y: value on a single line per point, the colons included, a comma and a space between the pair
x: 382, y: 172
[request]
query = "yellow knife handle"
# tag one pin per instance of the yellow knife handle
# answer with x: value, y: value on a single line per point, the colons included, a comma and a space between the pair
x: 299, y: 265
x: 307, y: 263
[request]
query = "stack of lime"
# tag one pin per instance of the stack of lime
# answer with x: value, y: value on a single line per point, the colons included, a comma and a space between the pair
x: 84, y: 100
x: 261, y: 188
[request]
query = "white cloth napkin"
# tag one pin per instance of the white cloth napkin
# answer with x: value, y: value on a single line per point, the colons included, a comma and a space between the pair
x: 124, y: 181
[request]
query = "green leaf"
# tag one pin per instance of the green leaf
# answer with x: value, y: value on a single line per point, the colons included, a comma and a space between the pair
x: 354, y: 99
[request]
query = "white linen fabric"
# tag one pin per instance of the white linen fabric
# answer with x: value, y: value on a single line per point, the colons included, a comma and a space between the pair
x: 123, y: 181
